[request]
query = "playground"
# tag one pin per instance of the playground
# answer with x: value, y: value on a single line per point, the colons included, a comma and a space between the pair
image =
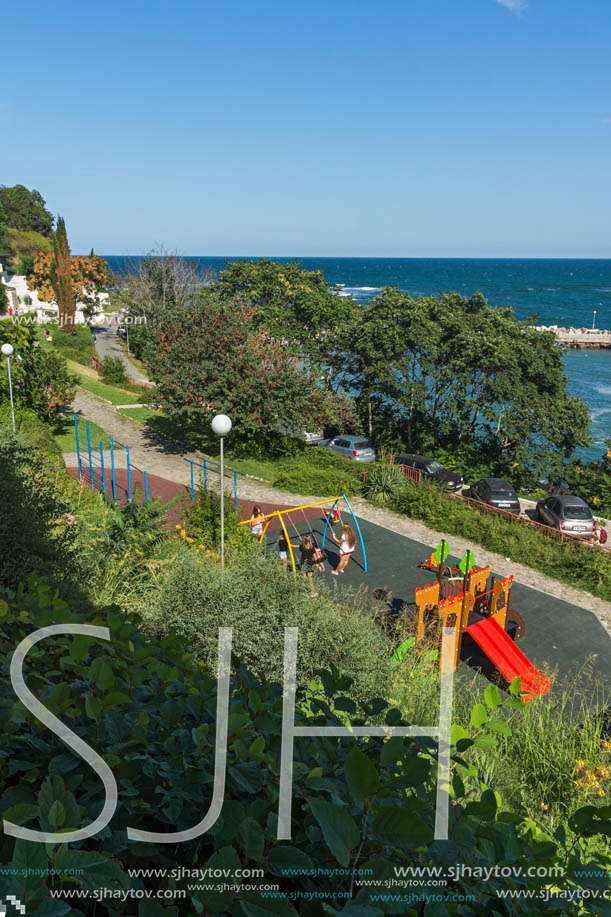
x: 558, y: 638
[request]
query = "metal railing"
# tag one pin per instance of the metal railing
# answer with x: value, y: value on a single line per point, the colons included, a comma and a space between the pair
x: 209, y: 467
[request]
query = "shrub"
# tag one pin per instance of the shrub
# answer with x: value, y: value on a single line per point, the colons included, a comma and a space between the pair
x: 78, y: 347
x: 113, y: 370
x: 321, y: 472
x: 151, y: 714
x: 202, y: 524
x: 258, y: 599
x: 269, y: 445
x: 45, y: 385
x: 37, y: 531
x: 383, y: 483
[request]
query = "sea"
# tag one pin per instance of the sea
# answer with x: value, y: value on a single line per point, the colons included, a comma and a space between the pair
x: 559, y: 292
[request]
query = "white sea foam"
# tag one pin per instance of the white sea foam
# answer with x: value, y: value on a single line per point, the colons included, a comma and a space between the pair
x: 603, y: 389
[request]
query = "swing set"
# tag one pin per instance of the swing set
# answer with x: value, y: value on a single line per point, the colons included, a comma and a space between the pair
x: 332, y: 516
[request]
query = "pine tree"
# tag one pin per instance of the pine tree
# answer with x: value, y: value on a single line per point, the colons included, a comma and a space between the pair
x: 62, y: 279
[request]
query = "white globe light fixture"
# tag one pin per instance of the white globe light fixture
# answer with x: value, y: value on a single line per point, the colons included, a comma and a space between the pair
x: 7, y: 351
x: 221, y: 425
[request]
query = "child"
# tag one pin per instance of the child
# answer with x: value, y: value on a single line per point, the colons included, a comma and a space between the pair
x: 257, y: 521
x: 347, y: 545
x: 283, y: 551
x: 308, y: 550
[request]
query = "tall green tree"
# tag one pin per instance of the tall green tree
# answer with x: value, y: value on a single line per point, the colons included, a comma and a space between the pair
x: 62, y: 279
x: 455, y: 374
x: 293, y: 304
x: 26, y: 210
x: 214, y: 358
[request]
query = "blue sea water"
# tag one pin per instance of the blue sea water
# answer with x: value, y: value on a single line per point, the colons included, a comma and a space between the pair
x: 558, y: 291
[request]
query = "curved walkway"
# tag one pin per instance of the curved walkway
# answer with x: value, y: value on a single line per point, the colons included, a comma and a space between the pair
x: 167, y: 460
x: 108, y: 345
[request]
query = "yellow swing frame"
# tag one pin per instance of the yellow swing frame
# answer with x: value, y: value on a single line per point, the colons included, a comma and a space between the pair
x: 280, y: 513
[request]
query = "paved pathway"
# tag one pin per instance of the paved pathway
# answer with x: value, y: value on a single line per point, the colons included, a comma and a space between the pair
x: 167, y: 460
x: 108, y: 344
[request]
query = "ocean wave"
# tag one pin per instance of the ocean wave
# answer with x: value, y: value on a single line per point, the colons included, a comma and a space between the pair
x: 603, y: 389
x: 595, y: 413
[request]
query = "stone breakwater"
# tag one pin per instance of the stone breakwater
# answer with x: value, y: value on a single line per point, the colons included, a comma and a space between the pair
x: 579, y: 337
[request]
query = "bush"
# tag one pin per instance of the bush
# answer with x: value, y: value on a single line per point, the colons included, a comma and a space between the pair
x: 45, y: 385
x: 78, y: 347
x: 151, y: 714
x: 320, y: 472
x: 270, y: 445
x: 37, y: 530
x: 202, y: 525
x: 383, y: 483
x: 113, y: 370
x: 258, y: 598
x: 578, y: 564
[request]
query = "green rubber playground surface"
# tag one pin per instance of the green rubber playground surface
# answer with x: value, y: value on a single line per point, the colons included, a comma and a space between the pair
x: 560, y: 639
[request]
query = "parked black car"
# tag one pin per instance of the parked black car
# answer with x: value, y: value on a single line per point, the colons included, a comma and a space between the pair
x: 430, y: 468
x: 495, y: 492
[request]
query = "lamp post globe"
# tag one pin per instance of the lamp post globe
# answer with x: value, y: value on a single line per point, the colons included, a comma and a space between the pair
x: 7, y: 350
x: 221, y: 425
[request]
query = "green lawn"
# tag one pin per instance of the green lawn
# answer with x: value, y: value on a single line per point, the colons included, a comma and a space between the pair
x: 66, y: 441
x: 109, y: 392
x: 139, y: 414
x: 266, y: 469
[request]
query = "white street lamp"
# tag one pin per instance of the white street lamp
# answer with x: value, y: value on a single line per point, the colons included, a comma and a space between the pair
x: 7, y: 351
x: 594, y: 320
x: 221, y: 425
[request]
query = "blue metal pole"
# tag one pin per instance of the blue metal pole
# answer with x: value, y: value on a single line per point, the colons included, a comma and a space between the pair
x: 205, y: 477
x: 146, y: 488
x: 102, y: 466
x: 78, y: 449
x: 89, y: 451
x: 192, y: 485
x: 235, y: 490
x: 358, y: 531
x: 112, y: 465
x: 129, y: 476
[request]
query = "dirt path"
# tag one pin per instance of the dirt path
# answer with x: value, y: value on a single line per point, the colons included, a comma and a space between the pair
x: 167, y: 460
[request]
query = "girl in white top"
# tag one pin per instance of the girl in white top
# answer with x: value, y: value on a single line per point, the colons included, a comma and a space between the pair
x: 257, y: 521
x: 347, y: 544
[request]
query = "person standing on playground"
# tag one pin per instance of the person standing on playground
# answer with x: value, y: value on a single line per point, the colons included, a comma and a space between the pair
x: 283, y: 550
x: 308, y: 559
x: 347, y: 545
x: 257, y: 521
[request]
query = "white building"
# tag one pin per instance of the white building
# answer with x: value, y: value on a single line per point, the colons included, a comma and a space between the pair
x: 21, y: 299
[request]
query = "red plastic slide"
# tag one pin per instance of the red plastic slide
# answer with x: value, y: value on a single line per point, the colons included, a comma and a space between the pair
x: 509, y: 660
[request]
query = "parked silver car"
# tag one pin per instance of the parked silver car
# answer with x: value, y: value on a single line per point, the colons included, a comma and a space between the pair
x: 309, y: 438
x: 353, y: 447
x: 569, y: 514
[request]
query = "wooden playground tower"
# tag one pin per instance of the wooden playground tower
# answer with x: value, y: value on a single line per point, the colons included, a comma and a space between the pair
x: 465, y: 604
x: 455, y: 599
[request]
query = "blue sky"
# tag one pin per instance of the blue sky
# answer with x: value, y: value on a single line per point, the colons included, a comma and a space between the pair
x: 326, y: 127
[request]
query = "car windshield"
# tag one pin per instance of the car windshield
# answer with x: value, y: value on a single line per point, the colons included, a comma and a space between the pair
x: 577, y: 512
x: 433, y: 467
x: 502, y: 495
x: 365, y: 444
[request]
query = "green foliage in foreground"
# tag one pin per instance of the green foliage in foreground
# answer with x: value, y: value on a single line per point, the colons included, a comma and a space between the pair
x: 578, y: 564
x: 258, y: 599
x: 151, y: 713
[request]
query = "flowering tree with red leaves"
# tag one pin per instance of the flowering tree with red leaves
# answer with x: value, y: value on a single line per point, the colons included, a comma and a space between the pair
x: 67, y: 279
x: 213, y: 359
